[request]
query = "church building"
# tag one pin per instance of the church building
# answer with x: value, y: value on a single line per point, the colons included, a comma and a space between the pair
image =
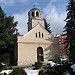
x: 37, y: 44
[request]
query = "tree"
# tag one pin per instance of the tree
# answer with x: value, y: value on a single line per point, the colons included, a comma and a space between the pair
x: 70, y: 29
x: 7, y: 35
x: 47, y: 26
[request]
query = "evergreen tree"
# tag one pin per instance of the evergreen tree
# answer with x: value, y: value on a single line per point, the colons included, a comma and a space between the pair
x: 47, y: 26
x: 7, y: 35
x: 70, y: 30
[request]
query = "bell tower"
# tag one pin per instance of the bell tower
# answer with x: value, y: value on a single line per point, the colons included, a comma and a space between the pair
x: 34, y: 17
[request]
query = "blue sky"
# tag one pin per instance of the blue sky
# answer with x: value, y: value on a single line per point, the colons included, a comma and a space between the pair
x: 53, y: 10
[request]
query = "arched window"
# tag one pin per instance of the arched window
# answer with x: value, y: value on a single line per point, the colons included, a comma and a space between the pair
x: 33, y: 14
x: 37, y: 14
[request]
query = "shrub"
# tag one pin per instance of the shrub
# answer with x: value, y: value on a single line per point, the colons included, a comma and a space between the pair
x: 18, y: 71
x: 1, y: 74
x: 51, y: 72
x: 74, y: 73
x: 63, y: 68
x: 38, y: 65
x: 10, y: 67
x: 4, y: 74
x: 41, y: 72
x: 0, y: 67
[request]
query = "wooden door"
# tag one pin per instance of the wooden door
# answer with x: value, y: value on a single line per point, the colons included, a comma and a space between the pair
x: 40, y: 54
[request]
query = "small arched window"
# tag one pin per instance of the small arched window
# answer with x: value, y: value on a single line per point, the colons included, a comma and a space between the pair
x: 37, y: 14
x: 33, y: 14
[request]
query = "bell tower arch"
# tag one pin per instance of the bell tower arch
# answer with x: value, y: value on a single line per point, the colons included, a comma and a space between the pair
x: 34, y: 16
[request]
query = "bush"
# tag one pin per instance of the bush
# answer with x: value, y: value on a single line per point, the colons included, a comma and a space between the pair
x: 4, y: 74
x: 0, y: 67
x: 18, y: 71
x: 41, y: 72
x: 10, y: 67
x: 63, y: 68
x: 1, y: 74
x: 38, y: 65
x: 3, y: 66
x: 51, y: 72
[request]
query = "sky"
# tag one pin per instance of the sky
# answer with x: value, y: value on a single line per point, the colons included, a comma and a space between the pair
x: 54, y: 11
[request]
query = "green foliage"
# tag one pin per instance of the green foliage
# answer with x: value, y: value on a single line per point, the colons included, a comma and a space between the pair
x: 58, y: 70
x: 9, y: 67
x: 18, y: 71
x: 62, y: 69
x: 38, y: 65
x: 7, y: 35
x: 51, y: 72
x: 4, y: 74
x: 3, y: 67
x: 47, y: 26
x: 74, y: 73
x: 41, y: 72
x: 48, y: 72
x: 70, y: 29
x: 5, y: 58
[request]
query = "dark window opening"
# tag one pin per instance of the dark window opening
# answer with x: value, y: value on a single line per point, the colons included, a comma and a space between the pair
x: 39, y: 34
x: 33, y: 14
x: 36, y: 34
x: 42, y: 35
x: 37, y: 14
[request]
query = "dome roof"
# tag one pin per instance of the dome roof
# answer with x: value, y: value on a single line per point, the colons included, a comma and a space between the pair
x: 34, y: 9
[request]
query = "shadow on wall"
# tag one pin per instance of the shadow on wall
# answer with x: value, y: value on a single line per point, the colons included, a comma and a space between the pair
x: 52, y: 51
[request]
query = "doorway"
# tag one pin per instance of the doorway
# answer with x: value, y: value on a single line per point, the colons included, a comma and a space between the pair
x: 40, y: 56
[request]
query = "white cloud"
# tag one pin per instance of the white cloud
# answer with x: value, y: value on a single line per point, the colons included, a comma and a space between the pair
x: 12, y: 2
x: 22, y: 19
x: 51, y: 1
x: 7, y: 2
x: 2, y: 1
x: 55, y: 18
